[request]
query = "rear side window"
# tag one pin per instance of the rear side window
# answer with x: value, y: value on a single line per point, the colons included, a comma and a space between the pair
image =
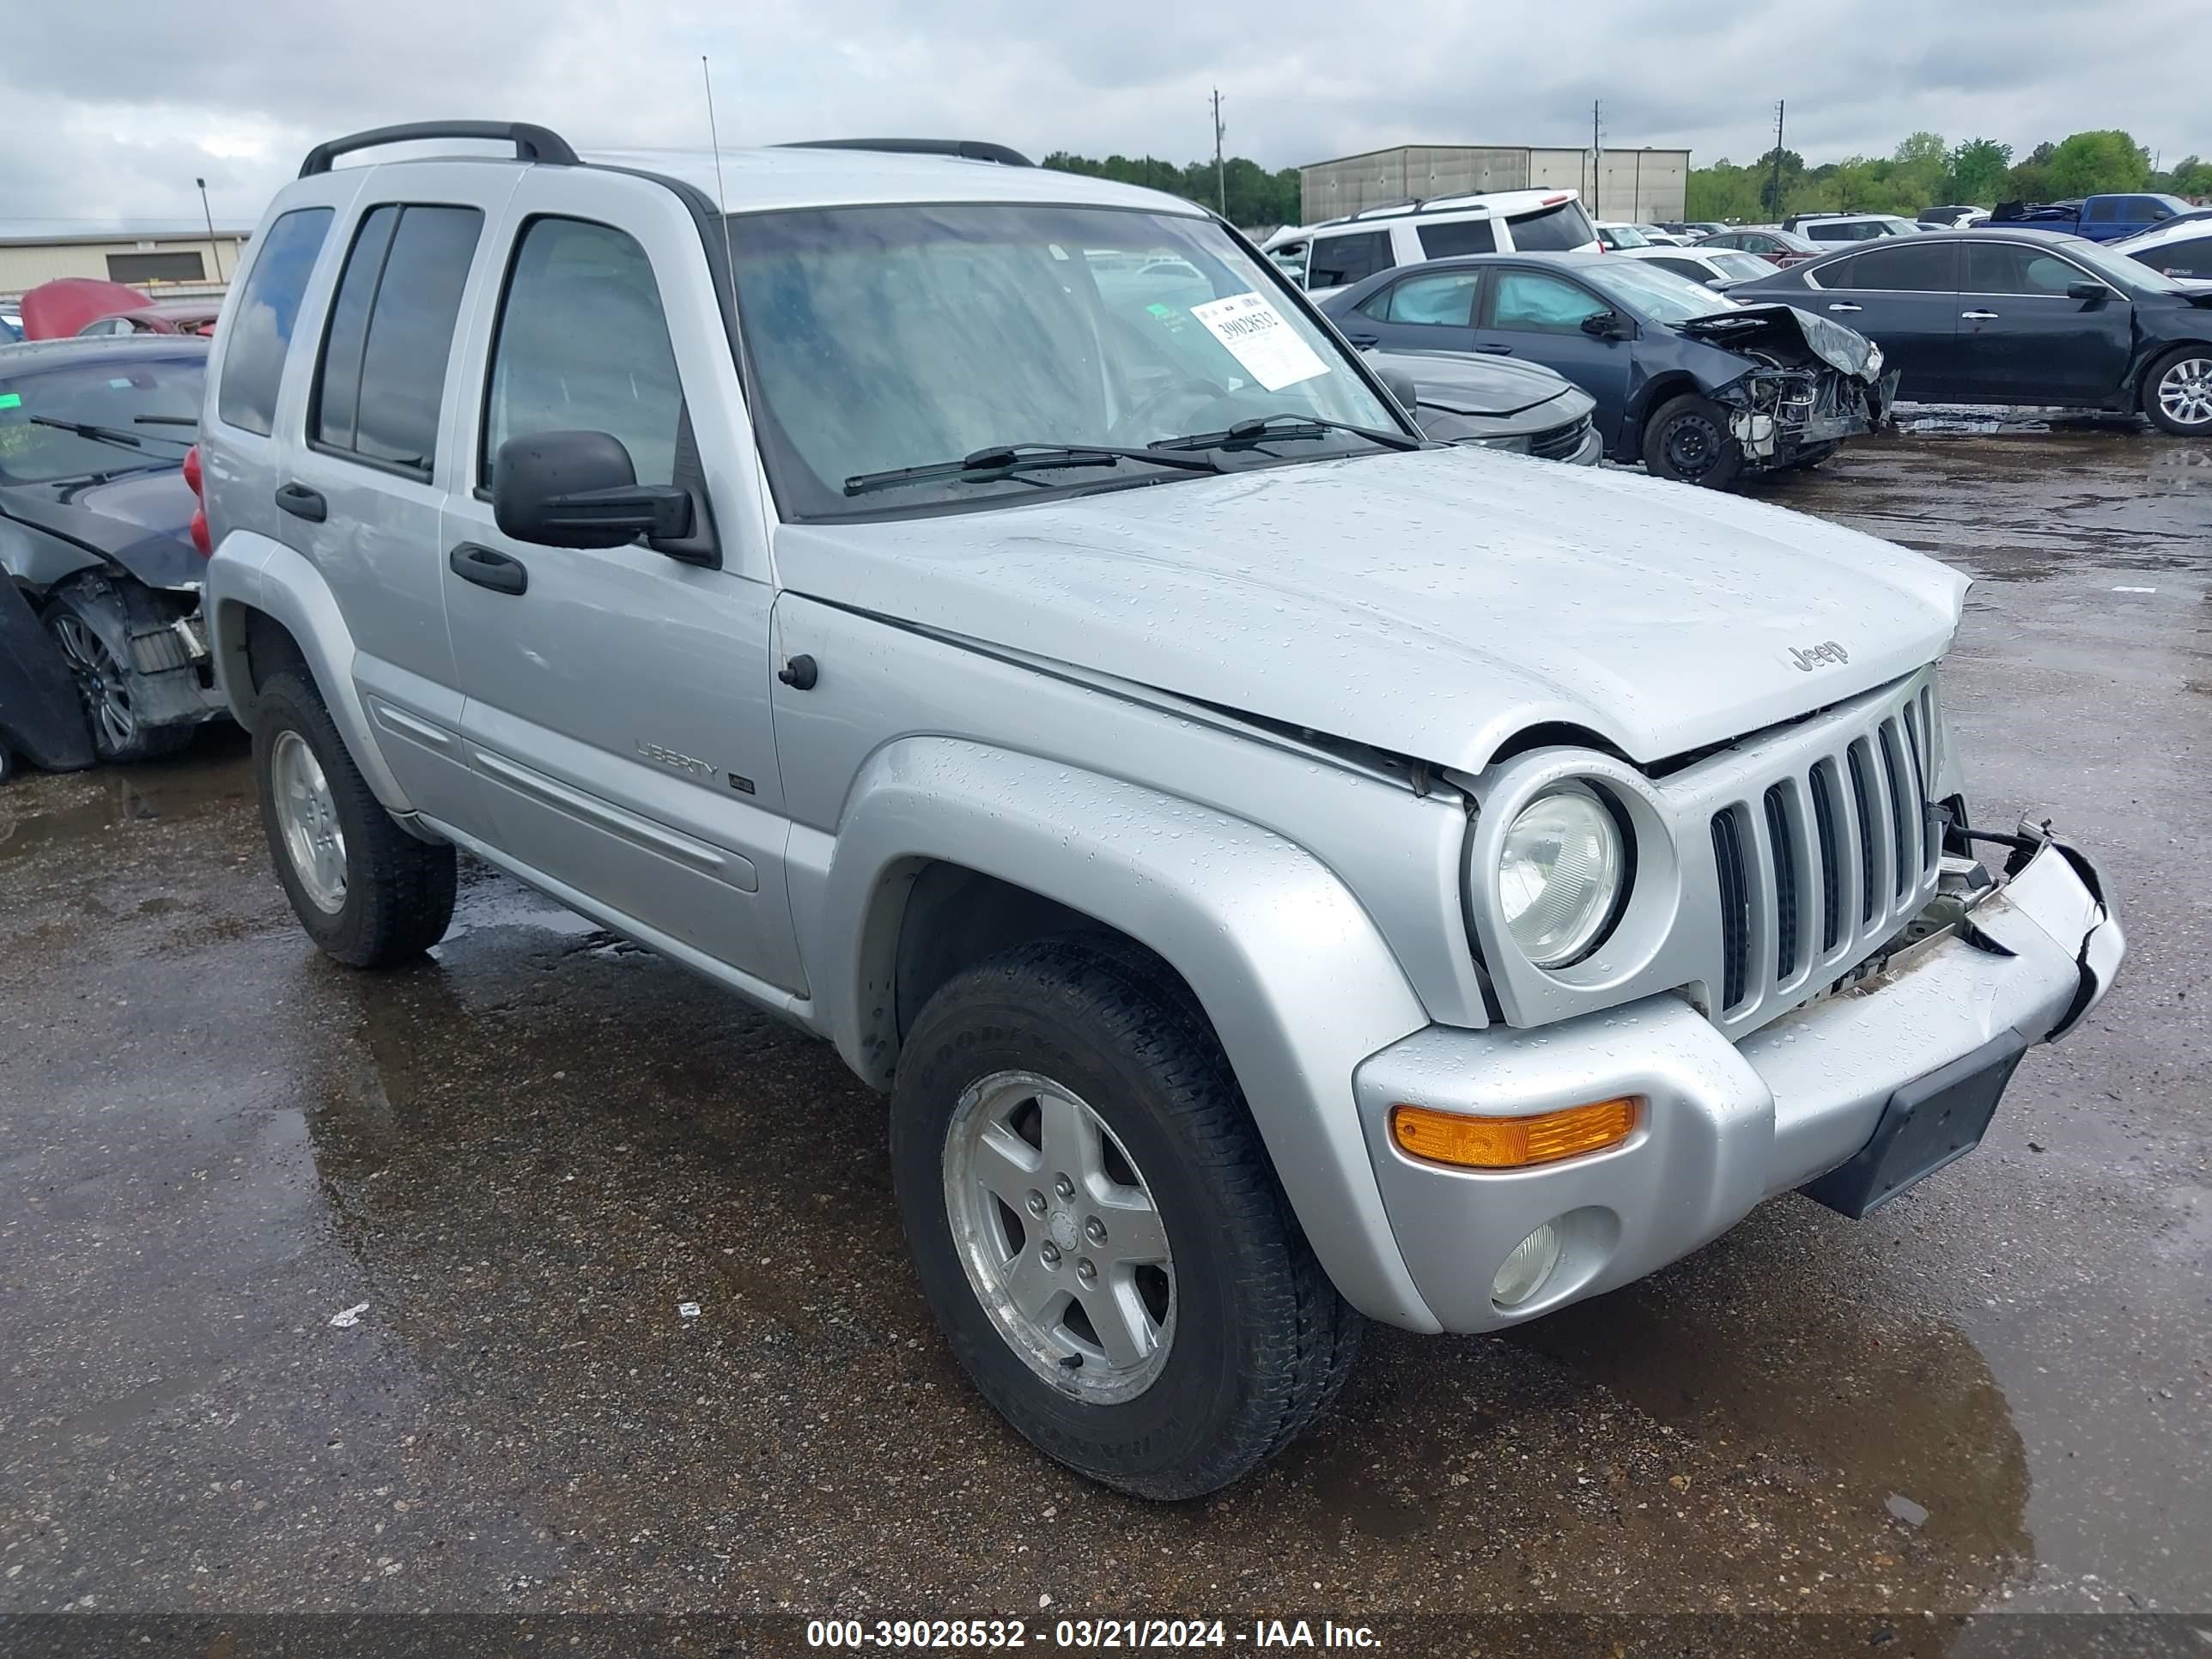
x: 1340, y: 261
x: 1551, y: 230
x: 1468, y: 236
x: 1446, y: 301
x: 2108, y: 209
x: 2192, y: 258
x: 260, y: 330
x: 383, y: 373
x: 583, y: 347
x: 1908, y: 265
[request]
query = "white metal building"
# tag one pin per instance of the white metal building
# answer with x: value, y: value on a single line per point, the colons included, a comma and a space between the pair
x: 1636, y: 184
x: 158, y: 257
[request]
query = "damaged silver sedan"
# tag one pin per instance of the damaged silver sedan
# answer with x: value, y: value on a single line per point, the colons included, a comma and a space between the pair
x: 1699, y: 388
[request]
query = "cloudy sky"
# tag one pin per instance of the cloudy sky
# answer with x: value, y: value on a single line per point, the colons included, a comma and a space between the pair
x: 115, y: 106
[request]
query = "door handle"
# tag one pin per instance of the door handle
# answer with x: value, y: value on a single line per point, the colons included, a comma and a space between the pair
x: 1496, y: 351
x: 1364, y: 341
x: 1977, y: 316
x: 302, y: 502
x: 1845, y: 305
x: 486, y: 568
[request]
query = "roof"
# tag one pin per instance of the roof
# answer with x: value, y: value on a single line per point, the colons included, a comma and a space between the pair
x: 1392, y: 149
x: 43, y: 233
x: 762, y: 180
x: 1493, y: 203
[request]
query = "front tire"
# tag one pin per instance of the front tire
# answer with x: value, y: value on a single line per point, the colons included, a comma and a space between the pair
x: 366, y: 891
x: 90, y: 622
x: 1096, y: 1227
x: 2177, y: 391
x: 1688, y: 439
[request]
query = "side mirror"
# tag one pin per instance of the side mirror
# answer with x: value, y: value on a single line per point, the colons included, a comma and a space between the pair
x: 1400, y: 385
x: 2087, y: 291
x: 580, y: 489
x: 1605, y: 324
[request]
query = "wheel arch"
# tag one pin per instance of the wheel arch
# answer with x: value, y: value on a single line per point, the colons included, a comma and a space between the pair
x: 1294, y: 980
x: 1659, y: 389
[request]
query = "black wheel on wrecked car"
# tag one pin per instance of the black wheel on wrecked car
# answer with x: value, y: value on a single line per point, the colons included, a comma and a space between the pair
x: 366, y: 891
x: 90, y: 625
x: 1097, y: 1228
x: 2177, y: 391
x: 1688, y: 439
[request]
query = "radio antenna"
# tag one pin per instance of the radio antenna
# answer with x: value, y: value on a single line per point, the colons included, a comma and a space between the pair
x: 721, y: 196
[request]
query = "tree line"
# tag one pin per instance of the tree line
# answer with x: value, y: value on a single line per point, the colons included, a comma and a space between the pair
x: 1923, y: 172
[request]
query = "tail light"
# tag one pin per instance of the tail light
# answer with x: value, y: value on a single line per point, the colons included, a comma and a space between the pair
x: 203, y: 540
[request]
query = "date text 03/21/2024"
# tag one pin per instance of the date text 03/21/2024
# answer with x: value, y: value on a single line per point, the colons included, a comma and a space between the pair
x: 1084, y: 1633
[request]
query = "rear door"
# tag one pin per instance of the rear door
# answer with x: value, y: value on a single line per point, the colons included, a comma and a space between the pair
x: 2023, y: 339
x: 1537, y: 317
x: 1902, y: 294
x: 364, y: 490
x: 1432, y: 311
x: 618, y: 710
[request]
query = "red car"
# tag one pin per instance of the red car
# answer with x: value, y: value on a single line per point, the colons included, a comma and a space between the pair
x: 84, y: 305
x: 1772, y: 243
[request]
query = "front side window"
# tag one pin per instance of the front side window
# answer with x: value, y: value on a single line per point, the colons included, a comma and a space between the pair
x: 1559, y: 228
x: 583, y: 346
x: 1446, y: 301
x: 1340, y: 261
x: 382, y: 377
x: 1446, y: 241
x: 259, y: 333
x: 1529, y: 303
x: 2010, y: 268
x: 879, y: 338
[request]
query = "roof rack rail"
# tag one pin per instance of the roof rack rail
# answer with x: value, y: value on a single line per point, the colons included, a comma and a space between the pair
x: 532, y: 143
x: 970, y: 149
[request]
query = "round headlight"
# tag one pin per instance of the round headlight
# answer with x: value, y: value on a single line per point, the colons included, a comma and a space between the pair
x: 1560, y: 872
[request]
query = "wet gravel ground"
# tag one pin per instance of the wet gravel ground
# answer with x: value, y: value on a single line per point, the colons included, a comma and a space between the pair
x: 327, y: 1292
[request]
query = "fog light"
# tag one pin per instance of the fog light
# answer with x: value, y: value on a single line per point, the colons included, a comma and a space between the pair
x: 1527, y: 1269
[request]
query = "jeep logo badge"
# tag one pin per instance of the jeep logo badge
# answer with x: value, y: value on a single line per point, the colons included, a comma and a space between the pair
x: 1827, y: 651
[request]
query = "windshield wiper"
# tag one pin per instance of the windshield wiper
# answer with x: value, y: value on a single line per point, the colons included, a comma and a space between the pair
x: 165, y: 420
x: 1009, y: 460
x: 1268, y: 428
x: 103, y: 434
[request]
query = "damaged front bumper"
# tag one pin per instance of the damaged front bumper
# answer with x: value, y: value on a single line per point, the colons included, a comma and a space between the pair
x: 1863, y: 1091
x: 1776, y: 415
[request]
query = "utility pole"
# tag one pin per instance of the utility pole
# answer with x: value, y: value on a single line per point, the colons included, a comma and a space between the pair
x: 1220, y: 176
x: 207, y: 214
x: 1597, y: 158
x: 1781, y: 105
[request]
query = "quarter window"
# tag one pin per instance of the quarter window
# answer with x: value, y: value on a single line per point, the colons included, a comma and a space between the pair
x: 1445, y: 241
x: 1544, y: 305
x: 382, y: 377
x: 583, y: 346
x: 1340, y: 261
x: 259, y: 334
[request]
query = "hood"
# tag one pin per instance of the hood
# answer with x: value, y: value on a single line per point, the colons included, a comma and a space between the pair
x: 56, y: 310
x: 1463, y: 384
x: 1431, y: 603
x: 142, y: 521
x: 1791, y: 334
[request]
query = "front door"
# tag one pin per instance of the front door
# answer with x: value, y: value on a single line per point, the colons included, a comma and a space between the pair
x: 1537, y: 317
x: 1902, y: 294
x: 617, y: 711
x: 2024, y: 339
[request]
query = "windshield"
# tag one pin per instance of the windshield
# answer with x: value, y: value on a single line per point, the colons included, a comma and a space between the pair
x: 1621, y: 236
x: 1660, y: 296
x: 155, y: 401
x: 1739, y: 267
x: 884, y: 337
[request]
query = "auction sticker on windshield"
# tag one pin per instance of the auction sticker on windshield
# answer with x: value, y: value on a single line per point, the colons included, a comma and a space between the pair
x: 1258, y: 338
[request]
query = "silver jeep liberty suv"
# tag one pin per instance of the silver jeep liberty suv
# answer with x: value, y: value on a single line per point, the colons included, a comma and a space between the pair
x: 1283, y: 874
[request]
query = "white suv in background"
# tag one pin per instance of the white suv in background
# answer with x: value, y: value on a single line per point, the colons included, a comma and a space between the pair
x: 1342, y: 252
x: 1849, y: 226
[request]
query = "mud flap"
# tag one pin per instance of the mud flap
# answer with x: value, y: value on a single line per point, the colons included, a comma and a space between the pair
x: 41, y: 717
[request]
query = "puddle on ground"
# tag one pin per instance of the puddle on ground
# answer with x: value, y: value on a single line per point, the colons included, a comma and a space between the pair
x: 121, y: 797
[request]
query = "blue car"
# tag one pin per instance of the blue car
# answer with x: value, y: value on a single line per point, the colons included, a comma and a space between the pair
x: 1695, y: 385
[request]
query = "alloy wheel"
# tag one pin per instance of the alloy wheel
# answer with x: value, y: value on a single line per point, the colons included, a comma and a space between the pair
x: 100, y: 680
x: 307, y: 816
x: 2185, y: 392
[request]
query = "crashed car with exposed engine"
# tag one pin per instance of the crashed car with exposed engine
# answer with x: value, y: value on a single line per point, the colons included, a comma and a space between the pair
x: 1282, y: 871
x: 1697, y: 387
x: 96, y: 520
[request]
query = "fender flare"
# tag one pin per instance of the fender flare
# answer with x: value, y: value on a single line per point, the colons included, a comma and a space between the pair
x: 256, y: 571
x: 1298, y: 982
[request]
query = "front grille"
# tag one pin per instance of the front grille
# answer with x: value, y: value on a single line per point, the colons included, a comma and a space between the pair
x: 1561, y: 442
x: 1842, y: 843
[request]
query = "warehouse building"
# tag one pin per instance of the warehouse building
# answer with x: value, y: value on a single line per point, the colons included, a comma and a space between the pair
x: 1638, y: 185
x: 158, y: 257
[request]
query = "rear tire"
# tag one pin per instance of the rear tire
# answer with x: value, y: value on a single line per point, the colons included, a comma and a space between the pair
x: 1236, y: 1342
x: 1688, y: 439
x: 366, y: 891
x: 2177, y: 391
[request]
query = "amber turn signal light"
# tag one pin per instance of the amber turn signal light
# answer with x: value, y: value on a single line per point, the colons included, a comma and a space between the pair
x: 1512, y: 1143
